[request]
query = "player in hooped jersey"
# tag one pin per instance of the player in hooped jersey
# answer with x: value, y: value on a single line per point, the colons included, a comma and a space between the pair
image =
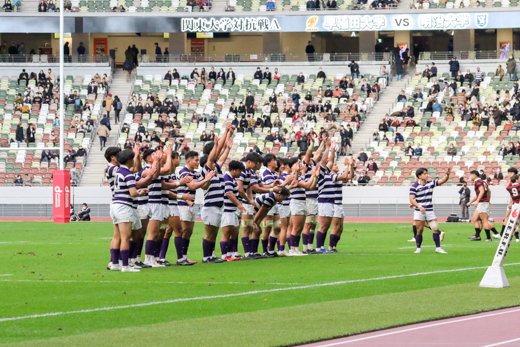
x: 421, y: 197
x: 481, y: 200
x: 124, y: 211
x: 298, y: 205
x: 327, y: 193
x: 188, y: 213
x: 265, y: 203
x: 339, y: 214
x: 110, y: 173
x: 214, y: 194
x: 174, y: 222
x: 245, y: 183
x: 232, y: 209
x: 311, y: 197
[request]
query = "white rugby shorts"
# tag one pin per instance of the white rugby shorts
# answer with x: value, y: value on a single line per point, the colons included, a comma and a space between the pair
x: 298, y: 207
x: 339, y: 212
x: 212, y: 216
x: 483, y: 207
x: 430, y: 215
x: 188, y: 213
x: 174, y: 211
x: 325, y: 209
x: 126, y: 214
x: 143, y: 210
x: 312, y: 207
x: 155, y: 212
x: 229, y: 219
x: 111, y: 213
x: 166, y: 212
x: 250, y: 210
x: 285, y: 211
x: 274, y: 210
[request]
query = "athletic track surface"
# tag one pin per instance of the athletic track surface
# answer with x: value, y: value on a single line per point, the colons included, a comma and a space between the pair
x: 493, y: 328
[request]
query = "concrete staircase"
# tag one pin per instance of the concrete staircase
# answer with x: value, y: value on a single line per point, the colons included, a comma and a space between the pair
x: 384, y: 105
x: 93, y: 174
x: 218, y: 5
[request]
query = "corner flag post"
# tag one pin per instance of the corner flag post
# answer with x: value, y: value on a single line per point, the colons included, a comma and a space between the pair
x: 495, y: 276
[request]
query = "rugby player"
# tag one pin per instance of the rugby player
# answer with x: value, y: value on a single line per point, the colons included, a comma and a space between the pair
x: 311, y: 197
x: 284, y: 209
x: 214, y: 194
x: 232, y: 209
x: 298, y: 204
x: 326, y: 196
x: 510, y: 173
x: 481, y: 200
x: 265, y: 203
x: 124, y: 211
x: 513, y: 188
x: 245, y: 183
x: 339, y: 213
x: 188, y: 214
x: 421, y: 197
x: 174, y: 222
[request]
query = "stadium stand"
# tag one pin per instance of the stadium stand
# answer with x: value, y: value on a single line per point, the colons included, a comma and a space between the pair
x: 19, y: 104
x: 465, y: 134
x: 310, y: 5
x: 184, y: 126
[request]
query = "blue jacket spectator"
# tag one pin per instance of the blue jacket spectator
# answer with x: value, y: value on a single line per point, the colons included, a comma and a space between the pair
x: 401, y: 97
x: 436, y: 107
x: 417, y: 152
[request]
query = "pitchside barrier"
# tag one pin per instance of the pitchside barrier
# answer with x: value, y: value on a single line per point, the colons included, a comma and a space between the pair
x: 495, y: 276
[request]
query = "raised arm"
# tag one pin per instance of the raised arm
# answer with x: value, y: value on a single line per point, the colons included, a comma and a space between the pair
x: 325, y: 154
x: 225, y: 152
x: 318, y: 152
x: 308, y: 154
x: 165, y: 170
x: 445, y: 178
x: 203, y: 184
x: 332, y: 155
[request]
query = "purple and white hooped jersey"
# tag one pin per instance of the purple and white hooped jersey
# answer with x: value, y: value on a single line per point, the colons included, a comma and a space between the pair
x: 142, y: 200
x: 124, y: 180
x: 298, y: 193
x: 230, y: 186
x: 310, y: 194
x: 165, y: 193
x: 214, y: 195
x: 326, y: 187
x: 287, y: 201
x: 184, y: 189
x: 268, y: 200
x: 338, y: 196
x: 173, y: 202
x: 110, y: 174
x: 247, y: 180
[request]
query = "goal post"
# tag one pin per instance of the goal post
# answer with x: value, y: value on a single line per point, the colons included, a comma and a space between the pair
x: 495, y: 276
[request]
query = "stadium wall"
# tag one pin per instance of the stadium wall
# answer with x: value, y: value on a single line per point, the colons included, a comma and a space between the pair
x: 385, y: 202
x: 76, y: 69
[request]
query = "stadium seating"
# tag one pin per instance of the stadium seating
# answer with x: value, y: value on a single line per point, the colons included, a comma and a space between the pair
x: 204, y: 99
x: 136, y: 6
x: 436, y: 4
x: 296, y: 5
x: 477, y: 145
x: 28, y: 162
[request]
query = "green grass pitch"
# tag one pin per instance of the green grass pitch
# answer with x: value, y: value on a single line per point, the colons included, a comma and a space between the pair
x: 374, y: 282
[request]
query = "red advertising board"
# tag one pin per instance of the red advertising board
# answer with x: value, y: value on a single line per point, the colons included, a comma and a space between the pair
x: 61, y: 196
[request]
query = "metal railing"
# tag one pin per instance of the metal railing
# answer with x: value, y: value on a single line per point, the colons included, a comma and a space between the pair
x: 447, y: 55
x: 51, y: 58
x: 271, y: 57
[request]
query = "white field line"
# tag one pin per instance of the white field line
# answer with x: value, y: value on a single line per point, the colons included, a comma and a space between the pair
x: 339, y: 343
x: 5, y: 275
x: 310, y: 286
x: 153, y: 282
x: 502, y: 343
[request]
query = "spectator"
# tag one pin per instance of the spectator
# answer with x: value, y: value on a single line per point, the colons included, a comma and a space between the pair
x: 362, y: 156
x: 103, y: 134
x: 363, y: 178
x: 300, y: 79
x: 107, y: 104
x: 452, y: 150
x: 454, y: 66
x: 499, y: 72
x: 81, y: 152
x: 31, y: 131
x: 402, y: 97
x: 81, y: 49
x: 52, y: 8
x: 84, y: 214
x: 19, y: 134
x: 417, y: 152
x: 42, y: 7
x: 482, y: 175
x: 498, y: 175
x: 433, y: 73
x: 258, y: 75
x: 18, y: 180
x: 8, y: 7
x: 309, y: 50
x: 354, y: 69
x: 511, y: 68
x: 371, y: 166
x: 230, y: 76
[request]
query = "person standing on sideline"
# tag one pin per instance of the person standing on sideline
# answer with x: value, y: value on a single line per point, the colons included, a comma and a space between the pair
x: 481, y: 200
x: 465, y: 195
x: 309, y: 50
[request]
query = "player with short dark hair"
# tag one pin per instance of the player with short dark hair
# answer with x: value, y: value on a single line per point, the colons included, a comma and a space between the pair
x: 124, y: 211
x: 232, y: 209
x: 481, y: 199
x: 267, y: 202
x: 189, y: 213
x: 421, y: 197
